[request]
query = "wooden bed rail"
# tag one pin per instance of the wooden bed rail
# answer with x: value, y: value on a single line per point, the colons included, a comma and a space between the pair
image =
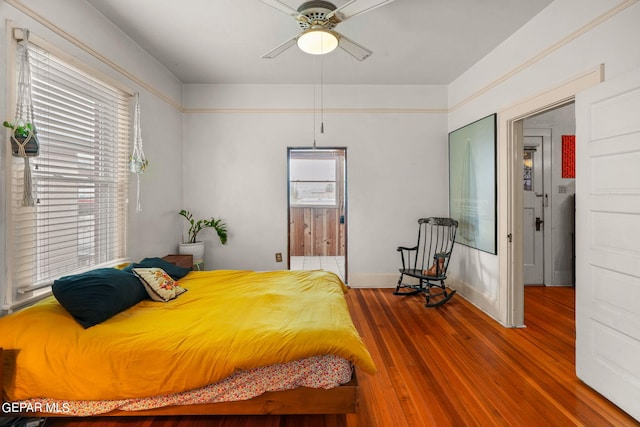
x: 303, y: 400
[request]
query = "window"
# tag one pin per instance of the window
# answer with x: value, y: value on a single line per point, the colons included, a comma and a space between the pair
x: 313, y: 182
x: 80, y: 179
x: 527, y: 169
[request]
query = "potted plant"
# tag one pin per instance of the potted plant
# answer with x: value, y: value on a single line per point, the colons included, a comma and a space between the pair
x: 192, y: 245
x: 22, y: 131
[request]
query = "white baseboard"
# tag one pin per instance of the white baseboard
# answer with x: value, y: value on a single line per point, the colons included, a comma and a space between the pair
x: 562, y: 278
x: 488, y: 305
x: 373, y: 280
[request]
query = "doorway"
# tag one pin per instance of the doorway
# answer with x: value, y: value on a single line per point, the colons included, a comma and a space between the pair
x: 317, y: 209
x: 548, y: 194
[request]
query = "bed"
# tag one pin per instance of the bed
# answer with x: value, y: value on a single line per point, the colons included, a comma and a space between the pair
x: 226, y: 329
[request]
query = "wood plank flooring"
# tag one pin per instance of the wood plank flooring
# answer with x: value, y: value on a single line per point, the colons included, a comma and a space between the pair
x: 449, y: 366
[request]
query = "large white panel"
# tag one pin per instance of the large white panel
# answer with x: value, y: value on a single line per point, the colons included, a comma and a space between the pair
x: 618, y: 144
x: 616, y: 352
x: 529, y: 250
x: 616, y: 116
x: 617, y: 173
x: 615, y: 231
x: 617, y: 290
x: 611, y: 363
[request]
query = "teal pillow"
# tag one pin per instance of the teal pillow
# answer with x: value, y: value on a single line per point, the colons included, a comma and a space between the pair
x: 176, y: 272
x: 94, y: 296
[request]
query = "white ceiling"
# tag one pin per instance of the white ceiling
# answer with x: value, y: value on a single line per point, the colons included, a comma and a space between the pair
x: 413, y: 41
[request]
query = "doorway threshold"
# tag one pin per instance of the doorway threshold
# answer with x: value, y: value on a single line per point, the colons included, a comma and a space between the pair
x: 334, y: 264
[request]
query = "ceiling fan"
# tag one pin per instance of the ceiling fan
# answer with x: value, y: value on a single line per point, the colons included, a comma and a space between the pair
x: 318, y: 18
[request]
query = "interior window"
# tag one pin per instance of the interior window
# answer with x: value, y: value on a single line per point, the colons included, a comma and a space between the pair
x: 313, y: 182
x: 527, y: 177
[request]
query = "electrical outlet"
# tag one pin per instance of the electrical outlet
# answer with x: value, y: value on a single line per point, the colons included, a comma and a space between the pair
x: 279, y: 257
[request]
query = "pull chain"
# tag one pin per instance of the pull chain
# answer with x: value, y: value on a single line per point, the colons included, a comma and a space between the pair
x: 321, y: 96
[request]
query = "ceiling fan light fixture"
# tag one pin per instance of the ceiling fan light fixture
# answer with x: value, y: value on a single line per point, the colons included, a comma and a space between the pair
x: 317, y: 41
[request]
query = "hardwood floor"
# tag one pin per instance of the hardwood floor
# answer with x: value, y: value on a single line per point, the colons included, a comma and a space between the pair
x: 450, y: 366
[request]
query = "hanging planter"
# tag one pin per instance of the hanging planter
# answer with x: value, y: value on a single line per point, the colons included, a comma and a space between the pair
x: 24, y: 141
x: 24, y: 138
x: 137, y: 162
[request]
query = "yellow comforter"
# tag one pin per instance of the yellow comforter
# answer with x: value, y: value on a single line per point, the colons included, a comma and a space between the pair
x: 228, y: 320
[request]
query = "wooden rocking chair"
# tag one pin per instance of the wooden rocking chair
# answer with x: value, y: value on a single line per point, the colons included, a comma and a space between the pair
x: 428, y: 261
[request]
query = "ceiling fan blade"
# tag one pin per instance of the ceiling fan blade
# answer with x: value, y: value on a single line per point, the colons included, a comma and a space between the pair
x: 354, y: 49
x: 283, y: 7
x: 353, y: 8
x: 281, y: 48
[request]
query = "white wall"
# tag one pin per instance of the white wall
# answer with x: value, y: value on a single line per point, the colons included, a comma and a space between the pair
x: 236, y: 167
x: 565, y: 40
x: 153, y: 231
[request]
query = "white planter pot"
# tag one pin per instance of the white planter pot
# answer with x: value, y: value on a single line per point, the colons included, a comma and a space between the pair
x: 195, y: 249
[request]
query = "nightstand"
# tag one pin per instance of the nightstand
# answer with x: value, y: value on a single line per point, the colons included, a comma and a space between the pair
x: 185, y: 261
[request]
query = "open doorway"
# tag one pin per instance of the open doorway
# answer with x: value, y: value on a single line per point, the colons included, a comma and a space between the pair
x: 548, y: 197
x: 317, y: 209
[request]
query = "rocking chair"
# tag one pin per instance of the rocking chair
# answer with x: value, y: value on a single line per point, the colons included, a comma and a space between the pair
x: 428, y: 261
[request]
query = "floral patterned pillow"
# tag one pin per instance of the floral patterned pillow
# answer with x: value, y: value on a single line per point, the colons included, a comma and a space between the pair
x: 159, y: 285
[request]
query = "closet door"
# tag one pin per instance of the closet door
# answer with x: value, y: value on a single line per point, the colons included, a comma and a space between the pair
x: 608, y: 240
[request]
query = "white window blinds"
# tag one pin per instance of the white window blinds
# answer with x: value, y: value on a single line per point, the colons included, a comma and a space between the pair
x: 80, y: 178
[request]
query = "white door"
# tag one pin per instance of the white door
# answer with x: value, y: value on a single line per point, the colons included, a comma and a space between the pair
x: 533, y: 250
x: 608, y: 240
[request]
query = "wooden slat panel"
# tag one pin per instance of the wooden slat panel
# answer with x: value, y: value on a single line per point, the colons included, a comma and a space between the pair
x: 319, y: 231
x: 296, y: 232
x: 309, y: 231
x: 316, y: 232
x: 333, y: 232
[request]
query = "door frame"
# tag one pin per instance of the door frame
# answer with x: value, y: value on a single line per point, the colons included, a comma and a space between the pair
x: 345, y: 201
x: 510, y: 145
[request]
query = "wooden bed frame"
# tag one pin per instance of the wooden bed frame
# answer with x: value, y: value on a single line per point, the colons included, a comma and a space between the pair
x: 303, y: 400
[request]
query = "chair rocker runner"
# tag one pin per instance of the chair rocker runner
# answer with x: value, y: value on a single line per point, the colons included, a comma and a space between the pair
x: 428, y: 261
